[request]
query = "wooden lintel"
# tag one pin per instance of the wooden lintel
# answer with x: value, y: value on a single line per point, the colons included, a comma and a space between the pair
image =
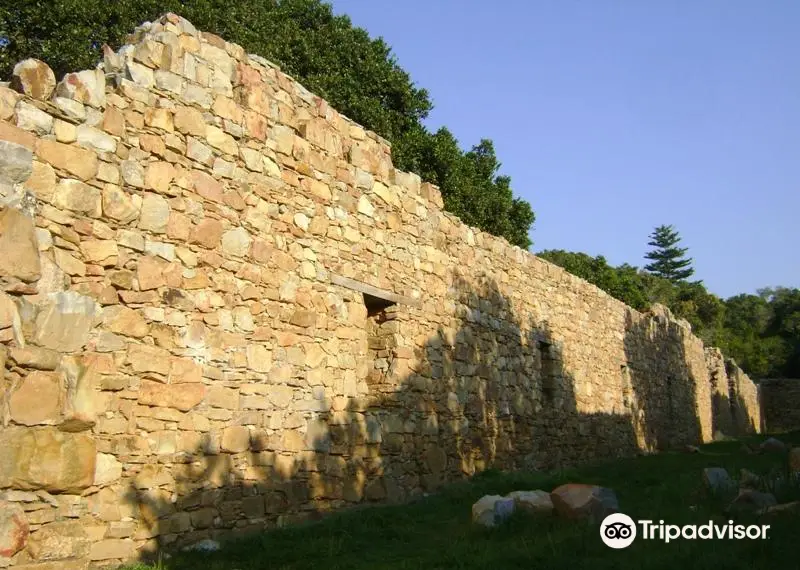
x: 374, y: 291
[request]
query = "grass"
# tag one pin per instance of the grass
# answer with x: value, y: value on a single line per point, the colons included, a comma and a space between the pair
x: 437, y: 532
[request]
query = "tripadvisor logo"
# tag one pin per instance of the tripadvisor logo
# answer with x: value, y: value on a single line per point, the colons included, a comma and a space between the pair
x: 619, y: 531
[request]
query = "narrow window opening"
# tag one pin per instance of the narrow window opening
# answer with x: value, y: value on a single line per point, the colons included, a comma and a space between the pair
x: 376, y: 306
x: 548, y: 370
x: 379, y: 346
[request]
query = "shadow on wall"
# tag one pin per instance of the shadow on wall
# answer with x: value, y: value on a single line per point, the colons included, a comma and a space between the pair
x: 484, y: 391
x: 664, y: 407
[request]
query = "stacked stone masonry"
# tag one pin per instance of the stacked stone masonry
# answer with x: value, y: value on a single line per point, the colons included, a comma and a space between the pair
x: 780, y: 402
x: 184, y: 358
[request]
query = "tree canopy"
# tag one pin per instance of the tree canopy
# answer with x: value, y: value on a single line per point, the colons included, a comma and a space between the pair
x: 357, y: 74
x: 668, y: 260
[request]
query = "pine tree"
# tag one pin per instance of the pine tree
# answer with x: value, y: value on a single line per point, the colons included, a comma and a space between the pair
x: 669, y: 261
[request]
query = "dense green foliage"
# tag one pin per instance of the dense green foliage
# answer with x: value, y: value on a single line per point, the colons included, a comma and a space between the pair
x: 761, y: 332
x: 668, y: 260
x: 436, y: 532
x: 358, y: 75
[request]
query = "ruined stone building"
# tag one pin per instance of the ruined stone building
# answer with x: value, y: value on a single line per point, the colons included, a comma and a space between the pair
x: 223, y: 309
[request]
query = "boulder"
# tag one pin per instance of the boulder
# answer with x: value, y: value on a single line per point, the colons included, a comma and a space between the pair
x: 580, y: 501
x: 483, y: 512
x: 749, y: 500
x: 772, y: 445
x: 503, y: 510
x: 206, y: 545
x: 13, y: 530
x: 34, y: 78
x: 717, y: 480
x: 538, y: 502
x: 784, y: 508
x: 749, y: 480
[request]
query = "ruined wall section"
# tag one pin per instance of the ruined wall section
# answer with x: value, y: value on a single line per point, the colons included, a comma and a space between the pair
x: 780, y: 398
x: 182, y: 359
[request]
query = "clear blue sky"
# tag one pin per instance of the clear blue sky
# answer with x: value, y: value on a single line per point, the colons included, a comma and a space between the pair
x: 615, y: 116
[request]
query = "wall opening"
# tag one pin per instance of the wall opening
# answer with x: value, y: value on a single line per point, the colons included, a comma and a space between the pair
x: 380, y: 314
x: 548, y: 369
x: 376, y: 305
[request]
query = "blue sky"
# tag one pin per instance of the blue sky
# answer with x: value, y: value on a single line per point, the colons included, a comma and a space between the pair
x: 615, y: 116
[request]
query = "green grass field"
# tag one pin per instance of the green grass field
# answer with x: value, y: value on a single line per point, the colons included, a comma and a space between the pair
x: 437, y: 532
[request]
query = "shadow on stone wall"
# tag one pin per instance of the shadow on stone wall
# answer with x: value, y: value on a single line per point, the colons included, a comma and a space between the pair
x: 664, y: 403
x: 489, y: 392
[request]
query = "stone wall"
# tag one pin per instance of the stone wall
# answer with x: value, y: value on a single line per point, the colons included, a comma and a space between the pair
x: 780, y: 400
x: 735, y: 403
x: 224, y: 310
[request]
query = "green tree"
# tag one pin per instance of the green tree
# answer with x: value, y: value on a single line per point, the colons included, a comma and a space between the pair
x: 357, y: 74
x: 668, y: 260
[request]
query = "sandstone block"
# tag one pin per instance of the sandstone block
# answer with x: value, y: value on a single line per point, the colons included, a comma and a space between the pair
x: 13, y: 529
x: 35, y: 357
x: 79, y: 162
x: 59, y: 540
x: 64, y: 321
x: 154, y: 214
x: 119, y: 205
x: 235, y: 439
x: 37, y: 401
x: 259, y: 358
x: 125, y: 321
x: 207, y: 233
x: 46, y: 458
x: 150, y: 273
x: 111, y: 548
x: 34, y: 78
x: 236, y: 242
x: 78, y: 197
x: 190, y: 121
x: 580, y: 501
x: 18, y: 243
x: 182, y: 397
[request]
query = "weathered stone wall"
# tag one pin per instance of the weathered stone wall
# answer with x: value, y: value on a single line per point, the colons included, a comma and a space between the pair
x: 187, y: 237
x: 780, y: 400
x: 736, y: 408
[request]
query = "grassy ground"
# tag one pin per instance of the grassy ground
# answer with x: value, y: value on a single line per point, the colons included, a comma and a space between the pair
x: 437, y: 532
